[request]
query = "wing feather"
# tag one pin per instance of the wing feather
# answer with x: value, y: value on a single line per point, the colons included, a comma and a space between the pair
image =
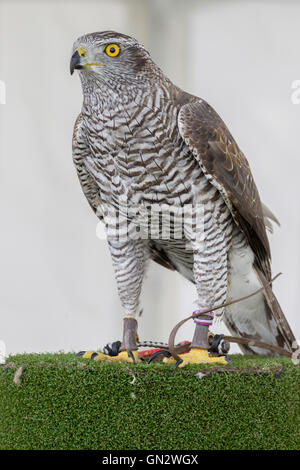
x: 227, y: 168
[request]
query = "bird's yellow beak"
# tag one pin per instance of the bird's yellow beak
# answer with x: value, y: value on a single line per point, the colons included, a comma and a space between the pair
x: 79, y: 60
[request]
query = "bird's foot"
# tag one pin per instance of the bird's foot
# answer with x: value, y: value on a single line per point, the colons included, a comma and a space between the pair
x: 197, y: 356
x: 123, y: 356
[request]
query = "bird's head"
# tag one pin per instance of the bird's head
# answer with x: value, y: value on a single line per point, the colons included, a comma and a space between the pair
x: 110, y: 57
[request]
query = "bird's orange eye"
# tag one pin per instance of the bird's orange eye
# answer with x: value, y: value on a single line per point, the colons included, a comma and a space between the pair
x: 112, y: 50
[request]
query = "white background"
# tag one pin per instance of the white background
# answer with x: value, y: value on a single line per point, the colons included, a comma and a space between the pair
x: 57, y: 289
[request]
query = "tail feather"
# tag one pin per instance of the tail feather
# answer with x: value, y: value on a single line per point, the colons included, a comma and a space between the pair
x: 259, y: 317
x: 286, y: 335
x: 269, y: 217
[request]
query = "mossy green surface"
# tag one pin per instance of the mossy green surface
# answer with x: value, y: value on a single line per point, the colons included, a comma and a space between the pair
x: 67, y: 403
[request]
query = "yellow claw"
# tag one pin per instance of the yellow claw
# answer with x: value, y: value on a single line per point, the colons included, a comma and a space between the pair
x: 123, y: 356
x: 197, y: 356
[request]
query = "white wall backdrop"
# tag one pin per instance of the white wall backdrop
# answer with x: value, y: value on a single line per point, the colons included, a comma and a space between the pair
x: 57, y: 289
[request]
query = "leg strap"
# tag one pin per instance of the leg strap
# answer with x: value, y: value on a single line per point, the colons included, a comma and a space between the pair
x: 202, y: 324
x: 205, y: 319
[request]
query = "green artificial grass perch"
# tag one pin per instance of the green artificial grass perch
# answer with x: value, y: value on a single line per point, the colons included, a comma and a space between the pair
x: 57, y: 401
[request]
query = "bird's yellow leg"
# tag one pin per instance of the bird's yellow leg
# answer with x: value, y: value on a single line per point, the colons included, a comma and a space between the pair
x: 197, y: 356
x: 123, y: 356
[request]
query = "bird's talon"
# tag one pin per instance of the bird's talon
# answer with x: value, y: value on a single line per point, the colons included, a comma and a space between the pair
x: 130, y: 354
x: 228, y: 360
x: 86, y: 354
x: 178, y: 363
x: 159, y: 353
x: 80, y: 353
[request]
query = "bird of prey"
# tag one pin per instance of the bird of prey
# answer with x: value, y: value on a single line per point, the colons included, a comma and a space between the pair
x: 142, y: 140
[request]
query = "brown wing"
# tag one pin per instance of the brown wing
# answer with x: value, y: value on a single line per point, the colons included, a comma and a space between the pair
x: 226, y: 167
